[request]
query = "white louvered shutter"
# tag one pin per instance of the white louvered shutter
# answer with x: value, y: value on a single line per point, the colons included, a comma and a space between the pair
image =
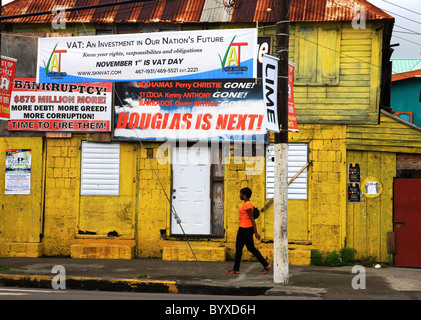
x: 297, y: 158
x: 100, y: 169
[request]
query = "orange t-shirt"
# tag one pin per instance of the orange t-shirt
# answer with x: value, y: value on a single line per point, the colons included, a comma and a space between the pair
x: 245, y: 221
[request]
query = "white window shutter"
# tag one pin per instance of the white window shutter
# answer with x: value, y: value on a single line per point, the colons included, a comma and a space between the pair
x: 297, y: 158
x: 100, y: 169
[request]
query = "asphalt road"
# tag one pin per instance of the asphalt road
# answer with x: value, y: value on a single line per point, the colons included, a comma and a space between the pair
x: 93, y: 303
x: 15, y: 293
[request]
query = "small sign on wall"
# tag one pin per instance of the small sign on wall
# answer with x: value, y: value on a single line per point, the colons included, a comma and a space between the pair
x: 354, y: 173
x: 372, y: 187
x: 354, y: 176
x: 18, y: 171
x: 354, y: 192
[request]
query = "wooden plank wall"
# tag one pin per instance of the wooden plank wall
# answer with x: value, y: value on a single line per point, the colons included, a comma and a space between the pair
x: 369, y: 221
x: 390, y: 135
x: 355, y: 99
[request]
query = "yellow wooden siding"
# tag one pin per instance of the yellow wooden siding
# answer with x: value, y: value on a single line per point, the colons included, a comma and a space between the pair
x: 354, y: 98
x: 369, y: 221
x: 390, y: 135
x: 375, y: 147
x: 306, y: 62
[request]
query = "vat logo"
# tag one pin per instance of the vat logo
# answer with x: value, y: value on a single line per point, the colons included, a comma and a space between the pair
x: 53, y: 65
x: 231, y: 62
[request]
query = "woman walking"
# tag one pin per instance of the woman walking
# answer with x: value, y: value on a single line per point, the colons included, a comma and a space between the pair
x: 245, y: 234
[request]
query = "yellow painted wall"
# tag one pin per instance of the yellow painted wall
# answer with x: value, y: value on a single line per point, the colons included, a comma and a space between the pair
x: 106, y: 214
x: 62, y: 185
x: 153, y: 205
x: 67, y: 212
x: 325, y: 221
x: 21, y: 215
x: 319, y: 221
x: 144, y: 218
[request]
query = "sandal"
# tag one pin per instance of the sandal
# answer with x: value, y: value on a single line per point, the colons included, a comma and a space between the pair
x: 232, y: 272
x: 266, y: 269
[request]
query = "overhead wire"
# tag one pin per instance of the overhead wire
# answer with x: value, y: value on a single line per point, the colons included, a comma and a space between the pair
x: 293, y: 4
x: 410, y: 10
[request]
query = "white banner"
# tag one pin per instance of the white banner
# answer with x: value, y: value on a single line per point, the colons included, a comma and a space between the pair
x: 82, y: 107
x: 183, y: 55
x: 270, y: 91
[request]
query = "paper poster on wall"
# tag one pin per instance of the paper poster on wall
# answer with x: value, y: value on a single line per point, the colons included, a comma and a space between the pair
x: 372, y: 187
x: 18, y: 171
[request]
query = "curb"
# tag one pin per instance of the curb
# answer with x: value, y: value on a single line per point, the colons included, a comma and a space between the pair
x: 222, y: 289
x: 153, y: 286
x: 158, y: 286
x: 296, y: 291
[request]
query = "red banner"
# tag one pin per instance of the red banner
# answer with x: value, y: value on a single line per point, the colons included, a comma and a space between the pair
x: 292, y: 119
x: 7, y: 74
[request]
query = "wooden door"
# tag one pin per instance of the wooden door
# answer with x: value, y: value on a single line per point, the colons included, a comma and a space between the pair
x: 407, y: 222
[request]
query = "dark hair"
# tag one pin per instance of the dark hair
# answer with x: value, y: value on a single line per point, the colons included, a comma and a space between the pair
x: 247, y: 192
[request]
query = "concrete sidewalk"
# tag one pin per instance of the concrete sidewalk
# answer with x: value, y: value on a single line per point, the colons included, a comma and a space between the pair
x: 149, y: 275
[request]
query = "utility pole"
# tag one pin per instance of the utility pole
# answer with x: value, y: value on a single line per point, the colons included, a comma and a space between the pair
x: 280, y: 228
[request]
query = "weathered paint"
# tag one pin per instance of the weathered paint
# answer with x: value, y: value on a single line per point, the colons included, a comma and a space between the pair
x: 319, y: 221
x: 344, y: 86
x: 390, y: 135
x: 375, y: 148
x: 325, y: 221
x: 106, y: 214
x: 369, y: 221
x: 21, y: 215
x: 161, y: 286
x: 196, y: 11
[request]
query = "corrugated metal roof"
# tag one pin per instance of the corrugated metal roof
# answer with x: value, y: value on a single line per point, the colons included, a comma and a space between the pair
x: 406, y: 75
x: 404, y: 65
x: 178, y: 11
